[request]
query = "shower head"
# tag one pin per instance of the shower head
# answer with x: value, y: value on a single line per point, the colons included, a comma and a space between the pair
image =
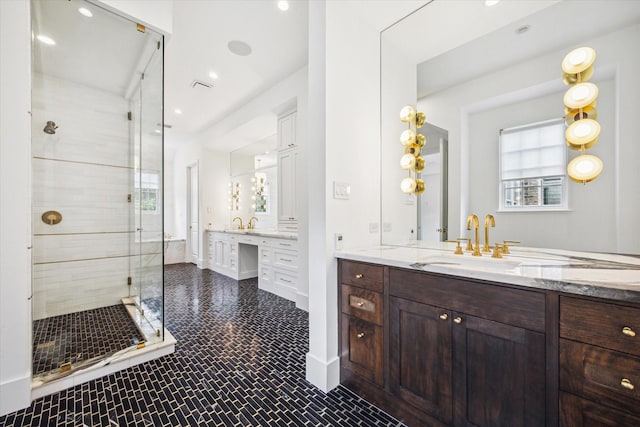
x: 50, y: 128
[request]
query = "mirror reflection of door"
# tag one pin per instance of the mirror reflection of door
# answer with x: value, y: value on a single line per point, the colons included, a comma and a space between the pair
x: 192, y: 212
x: 432, y: 204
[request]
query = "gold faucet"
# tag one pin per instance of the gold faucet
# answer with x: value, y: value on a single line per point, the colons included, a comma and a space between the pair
x: 251, y: 225
x: 489, y: 219
x: 240, y: 227
x: 474, y: 218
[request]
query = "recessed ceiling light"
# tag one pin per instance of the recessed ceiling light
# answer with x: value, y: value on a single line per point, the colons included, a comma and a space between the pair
x: 491, y: 2
x: 86, y: 12
x: 177, y: 111
x: 213, y: 75
x: 239, y: 48
x: 283, y: 5
x: 46, y: 40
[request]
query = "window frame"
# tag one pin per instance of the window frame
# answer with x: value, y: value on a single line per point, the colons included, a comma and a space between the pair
x: 564, y: 204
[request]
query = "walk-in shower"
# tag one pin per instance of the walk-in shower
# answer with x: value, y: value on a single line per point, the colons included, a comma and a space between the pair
x: 97, y: 225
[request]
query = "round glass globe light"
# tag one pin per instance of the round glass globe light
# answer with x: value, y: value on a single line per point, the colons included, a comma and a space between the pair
x: 407, y: 185
x: 407, y: 113
x: 407, y: 137
x: 408, y: 161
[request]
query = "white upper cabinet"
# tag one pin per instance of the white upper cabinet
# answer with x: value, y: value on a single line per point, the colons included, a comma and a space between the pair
x: 287, y: 131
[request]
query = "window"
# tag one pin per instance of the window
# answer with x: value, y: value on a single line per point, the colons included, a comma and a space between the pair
x: 147, y: 185
x: 532, y: 167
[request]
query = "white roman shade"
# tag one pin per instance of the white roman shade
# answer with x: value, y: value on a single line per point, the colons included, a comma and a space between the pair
x: 536, y: 150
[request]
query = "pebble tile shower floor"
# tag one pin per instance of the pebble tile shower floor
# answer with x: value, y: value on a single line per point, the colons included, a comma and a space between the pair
x: 239, y: 361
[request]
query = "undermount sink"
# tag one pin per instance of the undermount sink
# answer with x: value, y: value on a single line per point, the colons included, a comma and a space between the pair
x: 469, y: 261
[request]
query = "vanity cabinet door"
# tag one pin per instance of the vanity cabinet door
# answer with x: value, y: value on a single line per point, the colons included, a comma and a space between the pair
x: 499, y: 374
x: 288, y: 162
x: 420, y: 357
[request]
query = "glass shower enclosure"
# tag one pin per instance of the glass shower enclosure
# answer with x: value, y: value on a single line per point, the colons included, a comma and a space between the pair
x: 97, y: 167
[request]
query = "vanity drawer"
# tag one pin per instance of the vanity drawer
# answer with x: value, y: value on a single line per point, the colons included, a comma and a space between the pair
x: 265, y: 255
x: 361, y: 303
x: 285, y: 258
x: 599, y: 374
x: 515, y: 307
x: 362, y: 344
x: 362, y: 275
x: 575, y: 411
x: 603, y: 324
x: 285, y: 279
x: 285, y: 244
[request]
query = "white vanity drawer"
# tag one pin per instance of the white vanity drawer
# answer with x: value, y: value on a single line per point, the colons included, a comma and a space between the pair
x: 265, y: 274
x: 264, y: 241
x: 286, y: 244
x: 249, y: 240
x: 233, y: 249
x: 285, y: 278
x: 285, y: 258
x: 265, y: 255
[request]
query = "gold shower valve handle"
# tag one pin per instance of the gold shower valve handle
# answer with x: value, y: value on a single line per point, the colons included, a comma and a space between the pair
x: 628, y: 331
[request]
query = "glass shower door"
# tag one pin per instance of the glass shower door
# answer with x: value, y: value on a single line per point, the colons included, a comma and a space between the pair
x: 147, y: 251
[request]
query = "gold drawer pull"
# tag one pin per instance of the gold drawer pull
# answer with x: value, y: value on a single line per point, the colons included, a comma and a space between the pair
x: 359, y: 276
x: 360, y: 304
x: 457, y: 320
x: 628, y: 331
x: 627, y: 384
x: 444, y: 316
x: 362, y: 334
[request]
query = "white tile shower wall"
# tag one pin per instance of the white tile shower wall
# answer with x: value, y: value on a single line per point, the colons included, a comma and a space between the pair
x: 92, y: 124
x: 83, y: 172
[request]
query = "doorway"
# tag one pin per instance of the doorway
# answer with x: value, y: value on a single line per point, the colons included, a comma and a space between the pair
x: 193, y: 224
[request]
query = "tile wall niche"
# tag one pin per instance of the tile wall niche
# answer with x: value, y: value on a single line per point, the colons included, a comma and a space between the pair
x: 84, y: 172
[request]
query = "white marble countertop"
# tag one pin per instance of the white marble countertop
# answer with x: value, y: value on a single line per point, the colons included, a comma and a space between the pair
x: 258, y: 232
x: 584, y: 273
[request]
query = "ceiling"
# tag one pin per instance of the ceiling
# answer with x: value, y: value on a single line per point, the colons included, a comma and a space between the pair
x: 201, y: 31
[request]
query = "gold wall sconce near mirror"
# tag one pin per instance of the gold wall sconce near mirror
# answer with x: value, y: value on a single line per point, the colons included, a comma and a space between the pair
x: 234, y: 196
x: 580, y: 114
x: 51, y: 217
x: 413, y: 143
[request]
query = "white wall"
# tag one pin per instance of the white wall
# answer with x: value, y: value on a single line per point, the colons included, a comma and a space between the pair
x: 453, y: 109
x: 15, y: 214
x: 344, y: 145
x: 213, y: 178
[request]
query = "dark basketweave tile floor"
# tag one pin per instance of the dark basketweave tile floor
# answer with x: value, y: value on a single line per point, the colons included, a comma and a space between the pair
x: 81, y: 336
x: 240, y: 361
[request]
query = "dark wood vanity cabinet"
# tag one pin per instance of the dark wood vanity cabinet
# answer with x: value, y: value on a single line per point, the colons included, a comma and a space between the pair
x: 599, y: 363
x: 440, y: 350
x: 455, y: 357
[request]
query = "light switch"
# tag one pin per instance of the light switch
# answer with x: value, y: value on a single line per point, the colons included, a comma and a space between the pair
x: 338, y: 241
x: 341, y: 190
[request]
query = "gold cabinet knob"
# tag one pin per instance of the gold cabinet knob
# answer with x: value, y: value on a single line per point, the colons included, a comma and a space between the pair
x: 457, y: 320
x: 626, y: 383
x: 360, y: 304
x: 444, y: 316
x: 360, y: 334
x: 628, y: 331
x: 359, y: 276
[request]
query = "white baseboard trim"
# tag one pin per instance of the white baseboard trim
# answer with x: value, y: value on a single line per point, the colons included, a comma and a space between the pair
x: 15, y: 394
x: 302, y: 301
x: 324, y: 375
x: 201, y: 264
x: 248, y: 274
x: 121, y: 360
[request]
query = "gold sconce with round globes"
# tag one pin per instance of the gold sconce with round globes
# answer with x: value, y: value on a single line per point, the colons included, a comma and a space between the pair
x: 582, y: 130
x: 413, y: 143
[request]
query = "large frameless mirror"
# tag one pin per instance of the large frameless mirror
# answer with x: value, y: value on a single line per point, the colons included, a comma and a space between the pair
x: 479, y: 72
